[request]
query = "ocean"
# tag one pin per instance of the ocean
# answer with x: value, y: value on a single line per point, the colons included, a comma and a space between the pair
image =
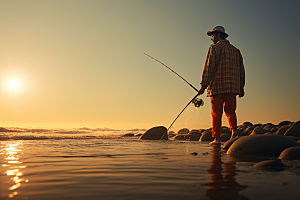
x: 102, y: 164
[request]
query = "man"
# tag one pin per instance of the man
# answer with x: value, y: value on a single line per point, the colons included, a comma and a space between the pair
x: 224, y: 77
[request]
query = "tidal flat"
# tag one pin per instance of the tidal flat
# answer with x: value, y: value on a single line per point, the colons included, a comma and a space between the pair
x: 127, y: 169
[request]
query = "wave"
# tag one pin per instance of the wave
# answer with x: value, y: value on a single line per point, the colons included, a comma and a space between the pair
x: 17, y: 133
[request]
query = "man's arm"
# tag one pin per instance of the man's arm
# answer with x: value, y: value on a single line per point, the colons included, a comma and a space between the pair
x: 208, y: 70
x: 242, y: 78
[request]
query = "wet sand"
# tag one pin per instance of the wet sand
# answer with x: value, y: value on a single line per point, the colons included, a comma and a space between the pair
x: 134, y: 169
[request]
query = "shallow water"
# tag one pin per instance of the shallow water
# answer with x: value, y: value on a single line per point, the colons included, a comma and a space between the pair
x: 134, y: 169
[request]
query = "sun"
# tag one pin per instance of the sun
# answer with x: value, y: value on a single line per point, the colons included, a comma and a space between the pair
x: 14, y: 84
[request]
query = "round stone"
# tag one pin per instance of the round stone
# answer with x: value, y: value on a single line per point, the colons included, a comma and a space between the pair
x: 269, y: 145
x: 292, y: 153
x: 270, y: 165
x: 155, y: 133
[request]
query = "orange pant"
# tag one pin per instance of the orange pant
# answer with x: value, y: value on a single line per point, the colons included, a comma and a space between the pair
x: 217, y: 102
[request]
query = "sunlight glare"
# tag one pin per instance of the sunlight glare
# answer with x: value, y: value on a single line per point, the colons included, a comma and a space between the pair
x: 14, y: 84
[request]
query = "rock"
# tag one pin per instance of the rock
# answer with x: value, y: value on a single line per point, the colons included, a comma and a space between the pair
x: 294, y: 130
x: 225, y: 137
x: 269, y: 133
x: 155, y: 133
x: 258, y: 130
x: 195, y: 131
x: 247, y: 124
x: 274, y: 129
x: 295, y: 138
x: 269, y: 127
x: 255, y: 125
x: 182, y: 137
x: 128, y: 135
x: 261, y: 145
x: 229, y: 143
x: 171, y: 135
x: 292, y: 153
x: 195, y: 135
x: 242, y: 128
x: 282, y: 130
x: 270, y: 124
x: 183, y: 131
x: 225, y: 130
x: 284, y: 123
x: 270, y: 165
x: 138, y: 135
x: 247, y: 131
x: 206, y: 136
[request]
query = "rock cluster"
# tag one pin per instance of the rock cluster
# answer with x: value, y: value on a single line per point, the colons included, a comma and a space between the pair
x: 281, y: 141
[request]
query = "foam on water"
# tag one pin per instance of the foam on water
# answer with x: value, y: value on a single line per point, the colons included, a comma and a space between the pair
x: 17, y: 133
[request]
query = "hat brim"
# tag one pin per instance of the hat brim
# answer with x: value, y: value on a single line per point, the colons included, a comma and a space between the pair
x: 209, y: 33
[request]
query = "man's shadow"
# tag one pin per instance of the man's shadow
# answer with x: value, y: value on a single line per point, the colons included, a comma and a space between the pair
x: 223, y: 184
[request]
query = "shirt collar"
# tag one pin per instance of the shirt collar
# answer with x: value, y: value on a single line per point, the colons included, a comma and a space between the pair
x: 223, y: 41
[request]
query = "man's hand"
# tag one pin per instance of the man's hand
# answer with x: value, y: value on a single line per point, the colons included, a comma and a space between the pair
x: 242, y: 93
x: 201, y: 91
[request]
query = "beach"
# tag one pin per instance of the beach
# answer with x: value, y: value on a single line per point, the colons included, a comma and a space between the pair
x: 120, y: 168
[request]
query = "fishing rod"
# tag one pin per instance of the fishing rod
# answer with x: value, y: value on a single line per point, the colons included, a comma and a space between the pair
x: 172, y: 71
x: 196, y: 101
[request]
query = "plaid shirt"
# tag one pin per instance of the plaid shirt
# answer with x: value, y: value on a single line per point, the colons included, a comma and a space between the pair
x: 223, y: 70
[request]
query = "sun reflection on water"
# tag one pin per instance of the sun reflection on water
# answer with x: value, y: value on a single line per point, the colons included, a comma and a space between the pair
x: 12, y: 151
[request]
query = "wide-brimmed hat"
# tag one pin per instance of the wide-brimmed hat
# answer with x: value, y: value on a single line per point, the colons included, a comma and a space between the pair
x: 220, y: 29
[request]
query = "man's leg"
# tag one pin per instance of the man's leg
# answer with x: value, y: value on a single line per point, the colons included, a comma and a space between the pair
x: 217, y: 102
x: 229, y: 108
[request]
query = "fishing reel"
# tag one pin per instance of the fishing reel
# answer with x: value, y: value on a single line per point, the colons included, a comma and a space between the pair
x: 198, y: 102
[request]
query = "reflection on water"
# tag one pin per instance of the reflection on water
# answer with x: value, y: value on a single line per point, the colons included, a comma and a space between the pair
x: 223, y: 183
x: 12, y: 151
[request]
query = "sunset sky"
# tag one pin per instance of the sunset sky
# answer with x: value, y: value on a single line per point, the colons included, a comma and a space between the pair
x: 81, y: 63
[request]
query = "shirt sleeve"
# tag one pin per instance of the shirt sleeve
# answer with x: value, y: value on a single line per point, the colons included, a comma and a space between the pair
x: 242, y: 74
x: 209, y: 68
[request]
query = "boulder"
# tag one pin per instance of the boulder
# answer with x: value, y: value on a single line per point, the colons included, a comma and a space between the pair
x: 292, y: 153
x: 282, y: 130
x: 242, y: 128
x: 195, y: 135
x: 269, y: 127
x: 225, y: 130
x: 270, y: 124
x: 284, y: 123
x: 183, y: 131
x: 268, y: 145
x: 206, y: 136
x: 225, y: 137
x: 295, y: 138
x: 128, y: 135
x: 229, y: 143
x: 247, y: 131
x: 294, y: 130
x: 270, y: 165
x: 182, y: 137
x: 155, y: 133
x: 247, y: 124
x: 274, y: 129
x: 258, y: 130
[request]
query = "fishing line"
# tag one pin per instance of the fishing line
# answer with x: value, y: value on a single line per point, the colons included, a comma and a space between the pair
x: 173, y: 72
x: 156, y: 97
x: 196, y: 100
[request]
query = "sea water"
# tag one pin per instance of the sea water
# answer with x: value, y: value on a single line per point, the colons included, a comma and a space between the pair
x: 90, y: 166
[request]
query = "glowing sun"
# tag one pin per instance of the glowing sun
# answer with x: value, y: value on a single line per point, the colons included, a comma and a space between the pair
x: 14, y: 84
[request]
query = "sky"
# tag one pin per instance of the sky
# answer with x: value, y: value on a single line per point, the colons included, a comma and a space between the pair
x: 81, y: 63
